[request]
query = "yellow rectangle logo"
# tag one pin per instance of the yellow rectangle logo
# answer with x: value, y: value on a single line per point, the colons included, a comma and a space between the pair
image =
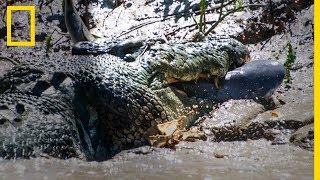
x: 32, y: 41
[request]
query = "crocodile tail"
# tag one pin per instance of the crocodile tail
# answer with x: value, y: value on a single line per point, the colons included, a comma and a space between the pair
x: 76, y: 27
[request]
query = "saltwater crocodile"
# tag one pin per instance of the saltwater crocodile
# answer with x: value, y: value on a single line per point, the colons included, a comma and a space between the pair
x: 94, y: 106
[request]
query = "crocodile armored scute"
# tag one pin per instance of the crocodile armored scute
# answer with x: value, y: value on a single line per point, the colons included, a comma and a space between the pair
x: 33, y: 126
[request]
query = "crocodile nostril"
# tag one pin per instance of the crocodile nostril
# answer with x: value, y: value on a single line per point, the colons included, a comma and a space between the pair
x: 20, y: 108
x: 2, y: 121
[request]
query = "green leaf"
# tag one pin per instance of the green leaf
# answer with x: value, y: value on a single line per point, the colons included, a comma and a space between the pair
x: 48, y: 42
x: 289, y: 63
x: 239, y: 4
x: 195, y: 21
x: 202, y: 15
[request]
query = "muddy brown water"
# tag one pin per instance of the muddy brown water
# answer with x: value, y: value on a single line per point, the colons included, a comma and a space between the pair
x: 198, y: 160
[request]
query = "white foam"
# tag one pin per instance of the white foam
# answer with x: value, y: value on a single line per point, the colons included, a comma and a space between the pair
x: 228, y: 76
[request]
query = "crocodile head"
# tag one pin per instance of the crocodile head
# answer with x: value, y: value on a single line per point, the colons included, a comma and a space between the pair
x: 168, y: 64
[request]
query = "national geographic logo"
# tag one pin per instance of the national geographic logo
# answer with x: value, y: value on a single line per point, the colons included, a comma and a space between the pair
x: 31, y: 10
